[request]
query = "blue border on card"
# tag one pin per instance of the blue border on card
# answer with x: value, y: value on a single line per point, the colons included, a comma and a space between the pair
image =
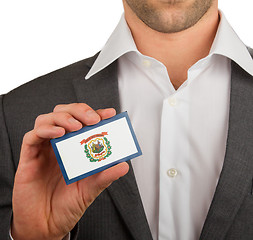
x: 88, y: 128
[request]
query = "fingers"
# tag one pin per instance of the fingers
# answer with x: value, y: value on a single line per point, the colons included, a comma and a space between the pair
x: 80, y: 111
x: 105, y: 178
x: 65, y: 118
x: 106, y: 113
x: 84, y: 113
x: 62, y: 119
x: 39, y: 135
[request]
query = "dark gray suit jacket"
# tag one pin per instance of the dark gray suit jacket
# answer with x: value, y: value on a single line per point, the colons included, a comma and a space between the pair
x: 117, y: 214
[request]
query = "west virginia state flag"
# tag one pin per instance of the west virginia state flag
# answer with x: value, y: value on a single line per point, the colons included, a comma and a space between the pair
x: 96, y: 148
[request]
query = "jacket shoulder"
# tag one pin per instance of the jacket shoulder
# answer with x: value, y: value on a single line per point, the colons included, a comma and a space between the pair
x: 55, y: 87
x: 21, y: 106
x: 56, y: 78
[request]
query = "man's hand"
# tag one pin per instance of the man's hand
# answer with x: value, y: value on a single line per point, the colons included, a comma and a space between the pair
x: 44, y: 207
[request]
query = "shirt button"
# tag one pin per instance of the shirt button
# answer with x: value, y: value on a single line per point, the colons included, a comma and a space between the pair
x: 172, y: 172
x: 172, y: 102
x: 146, y: 63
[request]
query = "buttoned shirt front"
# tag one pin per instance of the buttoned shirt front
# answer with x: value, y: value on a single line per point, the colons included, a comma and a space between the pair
x: 182, y: 133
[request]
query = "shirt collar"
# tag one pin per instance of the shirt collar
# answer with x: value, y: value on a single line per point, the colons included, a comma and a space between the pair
x: 119, y: 43
x: 226, y: 43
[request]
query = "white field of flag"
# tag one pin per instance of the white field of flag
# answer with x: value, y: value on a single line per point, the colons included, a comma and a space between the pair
x: 95, y: 148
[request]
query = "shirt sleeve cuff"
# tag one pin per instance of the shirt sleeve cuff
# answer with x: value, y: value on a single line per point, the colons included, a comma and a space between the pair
x: 67, y: 237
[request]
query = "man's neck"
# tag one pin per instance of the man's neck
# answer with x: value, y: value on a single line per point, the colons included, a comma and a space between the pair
x: 177, y: 51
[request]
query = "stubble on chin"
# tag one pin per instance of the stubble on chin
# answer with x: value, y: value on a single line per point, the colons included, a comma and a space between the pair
x: 170, y: 16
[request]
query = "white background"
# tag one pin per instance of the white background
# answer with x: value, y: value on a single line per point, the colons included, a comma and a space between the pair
x: 37, y: 37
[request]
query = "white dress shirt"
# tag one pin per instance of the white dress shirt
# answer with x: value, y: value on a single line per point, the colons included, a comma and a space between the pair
x: 182, y: 133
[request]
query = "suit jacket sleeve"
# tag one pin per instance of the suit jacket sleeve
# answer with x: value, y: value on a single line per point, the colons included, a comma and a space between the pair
x: 7, y: 172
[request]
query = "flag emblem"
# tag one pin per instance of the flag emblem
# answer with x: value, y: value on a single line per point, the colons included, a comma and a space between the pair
x: 97, y: 147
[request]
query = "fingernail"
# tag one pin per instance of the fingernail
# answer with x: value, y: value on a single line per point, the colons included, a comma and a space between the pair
x: 91, y: 114
x: 111, y: 110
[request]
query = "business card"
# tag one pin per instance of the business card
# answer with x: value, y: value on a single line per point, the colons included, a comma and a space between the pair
x: 95, y: 148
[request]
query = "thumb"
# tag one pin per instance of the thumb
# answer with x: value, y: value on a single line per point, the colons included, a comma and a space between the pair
x: 106, y: 177
x: 92, y: 186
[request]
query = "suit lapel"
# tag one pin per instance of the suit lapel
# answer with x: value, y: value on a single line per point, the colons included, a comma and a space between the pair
x: 125, y: 195
x: 237, y: 170
x: 101, y: 91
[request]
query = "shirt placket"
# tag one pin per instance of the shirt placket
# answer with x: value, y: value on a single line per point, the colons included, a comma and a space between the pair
x: 174, y: 154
